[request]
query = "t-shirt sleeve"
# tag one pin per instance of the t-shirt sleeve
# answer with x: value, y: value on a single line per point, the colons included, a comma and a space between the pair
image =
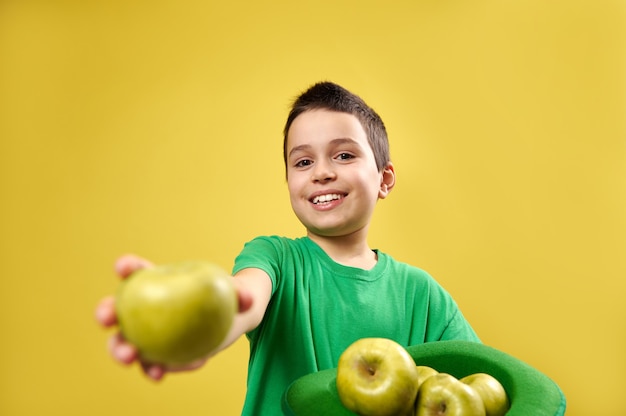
x: 445, y: 319
x: 263, y: 253
x: 458, y: 328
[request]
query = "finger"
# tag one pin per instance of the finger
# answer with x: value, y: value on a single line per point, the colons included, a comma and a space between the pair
x: 105, y: 312
x: 129, y: 263
x: 121, y: 350
x: 155, y: 372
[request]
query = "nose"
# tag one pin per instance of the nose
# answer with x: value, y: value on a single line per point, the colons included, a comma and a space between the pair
x: 322, y: 172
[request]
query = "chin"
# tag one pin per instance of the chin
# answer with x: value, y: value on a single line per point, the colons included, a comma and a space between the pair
x: 333, y: 232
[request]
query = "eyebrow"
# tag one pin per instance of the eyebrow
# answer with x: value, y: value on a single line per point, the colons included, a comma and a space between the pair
x: 334, y: 142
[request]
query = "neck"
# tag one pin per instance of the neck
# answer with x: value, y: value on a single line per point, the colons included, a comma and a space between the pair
x: 350, y: 250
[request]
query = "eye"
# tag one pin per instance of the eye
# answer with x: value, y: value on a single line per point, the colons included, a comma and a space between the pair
x: 302, y: 163
x: 345, y: 156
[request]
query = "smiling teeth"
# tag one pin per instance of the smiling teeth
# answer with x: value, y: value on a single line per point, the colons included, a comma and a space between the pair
x: 326, y: 198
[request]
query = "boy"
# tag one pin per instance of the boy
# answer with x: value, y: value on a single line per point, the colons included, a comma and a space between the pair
x: 304, y: 301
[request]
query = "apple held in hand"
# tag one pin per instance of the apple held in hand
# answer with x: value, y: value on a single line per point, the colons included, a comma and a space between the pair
x: 443, y: 394
x: 377, y: 377
x: 176, y: 314
x: 491, y: 391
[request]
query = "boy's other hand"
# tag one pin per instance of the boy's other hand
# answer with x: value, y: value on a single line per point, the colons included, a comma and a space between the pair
x: 126, y: 353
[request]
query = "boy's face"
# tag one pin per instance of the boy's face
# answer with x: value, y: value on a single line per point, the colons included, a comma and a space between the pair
x: 332, y: 177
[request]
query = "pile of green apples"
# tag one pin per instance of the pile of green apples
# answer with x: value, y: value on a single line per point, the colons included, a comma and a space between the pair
x: 378, y: 377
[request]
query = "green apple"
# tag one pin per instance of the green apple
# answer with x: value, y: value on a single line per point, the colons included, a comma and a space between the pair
x: 443, y: 394
x: 423, y: 372
x: 491, y: 391
x: 178, y: 313
x: 377, y: 377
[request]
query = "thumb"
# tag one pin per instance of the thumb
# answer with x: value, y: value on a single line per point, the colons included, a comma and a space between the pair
x: 130, y: 263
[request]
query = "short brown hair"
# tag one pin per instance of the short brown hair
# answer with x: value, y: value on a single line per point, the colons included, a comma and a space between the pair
x: 332, y: 97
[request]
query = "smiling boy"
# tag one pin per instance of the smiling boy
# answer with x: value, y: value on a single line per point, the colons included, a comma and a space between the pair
x: 334, y: 183
x: 303, y: 301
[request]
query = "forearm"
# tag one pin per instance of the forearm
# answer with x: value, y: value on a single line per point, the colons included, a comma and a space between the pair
x: 236, y: 331
x: 254, y: 291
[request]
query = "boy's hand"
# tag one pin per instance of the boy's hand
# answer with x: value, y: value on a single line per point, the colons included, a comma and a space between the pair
x: 126, y: 353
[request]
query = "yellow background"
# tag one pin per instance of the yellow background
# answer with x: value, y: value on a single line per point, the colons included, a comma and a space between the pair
x: 155, y: 127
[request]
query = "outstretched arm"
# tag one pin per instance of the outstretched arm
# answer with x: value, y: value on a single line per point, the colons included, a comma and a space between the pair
x: 253, y: 289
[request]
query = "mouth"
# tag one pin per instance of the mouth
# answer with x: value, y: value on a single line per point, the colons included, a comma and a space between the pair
x: 326, y: 198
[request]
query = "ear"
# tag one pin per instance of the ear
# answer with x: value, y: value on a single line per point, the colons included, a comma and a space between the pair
x: 387, y: 182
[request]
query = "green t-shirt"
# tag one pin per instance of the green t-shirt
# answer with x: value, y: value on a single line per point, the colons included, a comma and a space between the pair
x: 319, y: 307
